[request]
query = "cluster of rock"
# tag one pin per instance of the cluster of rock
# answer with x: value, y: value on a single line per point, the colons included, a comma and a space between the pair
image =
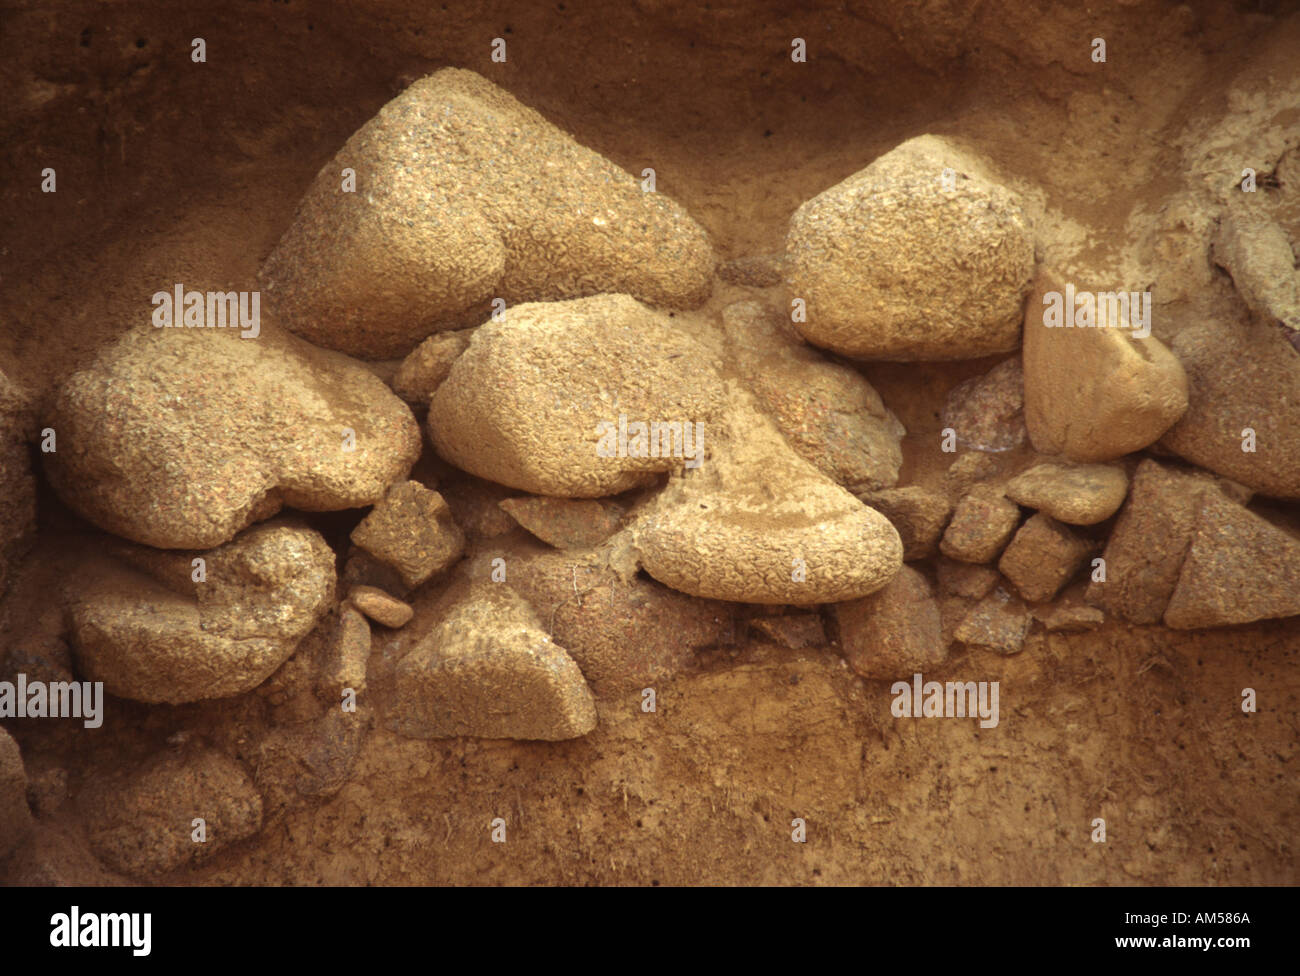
x: 642, y: 488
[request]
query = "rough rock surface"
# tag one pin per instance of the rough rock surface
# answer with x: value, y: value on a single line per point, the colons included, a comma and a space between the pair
x: 422, y: 372
x: 999, y: 622
x: 380, y: 606
x: 894, y: 632
x: 524, y: 405
x: 1239, y: 568
x: 972, y: 581
x: 756, y: 523
x: 895, y: 265
x: 917, y: 513
x: 981, y: 525
x: 17, y: 486
x: 308, y: 759
x: 153, y: 634
x: 1241, y: 377
x: 464, y: 195
x: 796, y: 631
x: 489, y: 670
x: 346, y: 658
x: 1069, y: 617
x: 15, y: 817
x: 1043, y: 557
x: 987, y: 413
x: 564, y: 522
x: 141, y: 822
x: 411, y: 529
x: 1083, y: 494
x: 1096, y: 394
x: 1256, y: 252
x: 179, y: 438
x: 754, y: 271
x: 829, y: 413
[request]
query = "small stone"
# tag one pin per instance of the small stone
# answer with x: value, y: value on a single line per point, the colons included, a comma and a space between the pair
x: 971, y: 581
x: 311, y: 759
x: 141, y: 823
x: 411, y: 529
x: 422, y: 372
x: 1239, y: 568
x: 1256, y: 252
x: 894, y: 632
x: 1083, y: 494
x: 489, y: 670
x: 1069, y: 618
x: 967, y: 471
x: 999, y: 622
x: 15, y: 816
x: 987, y: 413
x: 758, y: 271
x: 794, y: 631
x: 917, y: 513
x: 1043, y: 557
x: 564, y: 522
x: 348, y: 656
x: 981, y: 526
x: 380, y: 607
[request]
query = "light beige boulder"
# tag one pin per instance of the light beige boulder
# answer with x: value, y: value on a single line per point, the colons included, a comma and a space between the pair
x: 1082, y: 494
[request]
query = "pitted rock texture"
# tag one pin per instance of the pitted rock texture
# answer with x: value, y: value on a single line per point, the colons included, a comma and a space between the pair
x: 15, y: 816
x: 1258, y: 255
x: 179, y: 438
x: 1082, y: 494
x: 152, y: 633
x: 987, y: 413
x: 982, y: 524
x: 1042, y: 557
x: 896, y: 264
x: 464, y: 195
x: 422, y: 372
x: 566, y: 523
x: 553, y: 399
x: 411, y: 529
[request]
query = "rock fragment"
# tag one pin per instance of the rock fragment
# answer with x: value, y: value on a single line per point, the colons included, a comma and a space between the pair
x: 15, y: 816
x: 987, y: 413
x: 423, y: 371
x: 383, y: 609
x: 755, y: 271
x: 566, y: 523
x: 899, y: 263
x: 999, y: 622
x: 981, y: 525
x: 411, y: 529
x: 1256, y: 252
x: 971, y: 581
x: 895, y: 631
x: 918, y: 514
x: 1043, y: 557
x: 1069, y: 618
x: 1083, y: 494
x: 17, y: 486
x: 348, y: 654
x: 797, y: 631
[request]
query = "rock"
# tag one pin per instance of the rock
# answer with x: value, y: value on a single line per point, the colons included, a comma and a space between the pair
x: 1069, y: 618
x: 999, y: 622
x: 489, y: 670
x: 464, y: 195
x: 1239, y: 568
x: 540, y: 401
x: 411, y: 529
x: 1096, y: 394
x: 566, y: 523
x: 1043, y: 557
x: 917, y: 513
x: 362, y: 569
x: 756, y: 523
x: 17, y: 486
x: 967, y: 471
x: 829, y: 413
x: 153, y: 634
x: 1241, y: 377
x: 380, y: 607
x: 757, y: 271
x: 179, y: 438
x: 1082, y: 494
x: 423, y: 371
x: 347, y: 658
x: 46, y: 792
x: 476, y: 506
x: 312, y: 759
x: 141, y: 823
x: 894, y: 632
x: 981, y: 525
x: 971, y: 581
x: 15, y: 817
x: 625, y: 631
x: 987, y: 413
x: 796, y: 632
x: 894, y: 266
x: 1146, y: 548
x: 1256, y: 252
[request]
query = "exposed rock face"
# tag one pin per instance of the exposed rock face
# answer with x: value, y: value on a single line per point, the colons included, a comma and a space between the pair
x: 1082, y: 494
x: 383, y: 609
x: 141, y: 823
x: 1256, y: 252
x: 422, y: 372
x: 411, y: 530
x: 153, y: 633
x: 981, y: 525
x: 489, y: 670
x: 551, y: 400
x: 566, y: 523
x: 831, y: 416
x: 898, y: 263
x: 17, y: 486
x: 999, y: 622
x: 1043, y: 557
x: 987, y: 413
x: 15, y: 816
x: 894, y: 632
x: 464, y: 195
x: 179, y: 438
x: 796, y: 631
x: 918, y: 514
x: 1095, y: 394
x: 1243, y: 379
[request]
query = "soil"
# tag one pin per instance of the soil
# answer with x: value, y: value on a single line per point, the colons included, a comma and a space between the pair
x: 171, y: 170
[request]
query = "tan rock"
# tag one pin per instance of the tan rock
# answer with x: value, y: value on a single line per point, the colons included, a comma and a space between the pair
x: 411, y: 529
x: 895, y: 265
x: 422, y: 372
x: 754, y: 271
x: 1043, y: 557
x: 380, y: 607
x: 1096, y: 394
x: 566, y: 523
x: 1069, y: 618
x: 987, y: 412
x: 971, y: 581
x: 489, y: 670
x: 796, y: 631
x: 999, y: 622
x: 895, y: 631
x: 1258, y: 255
x: 1083, y: 494
x: 917, y: 513
x: 15, y: 816
x: 464, y: 195
x: 982, y: 524
x: 347, y: 657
